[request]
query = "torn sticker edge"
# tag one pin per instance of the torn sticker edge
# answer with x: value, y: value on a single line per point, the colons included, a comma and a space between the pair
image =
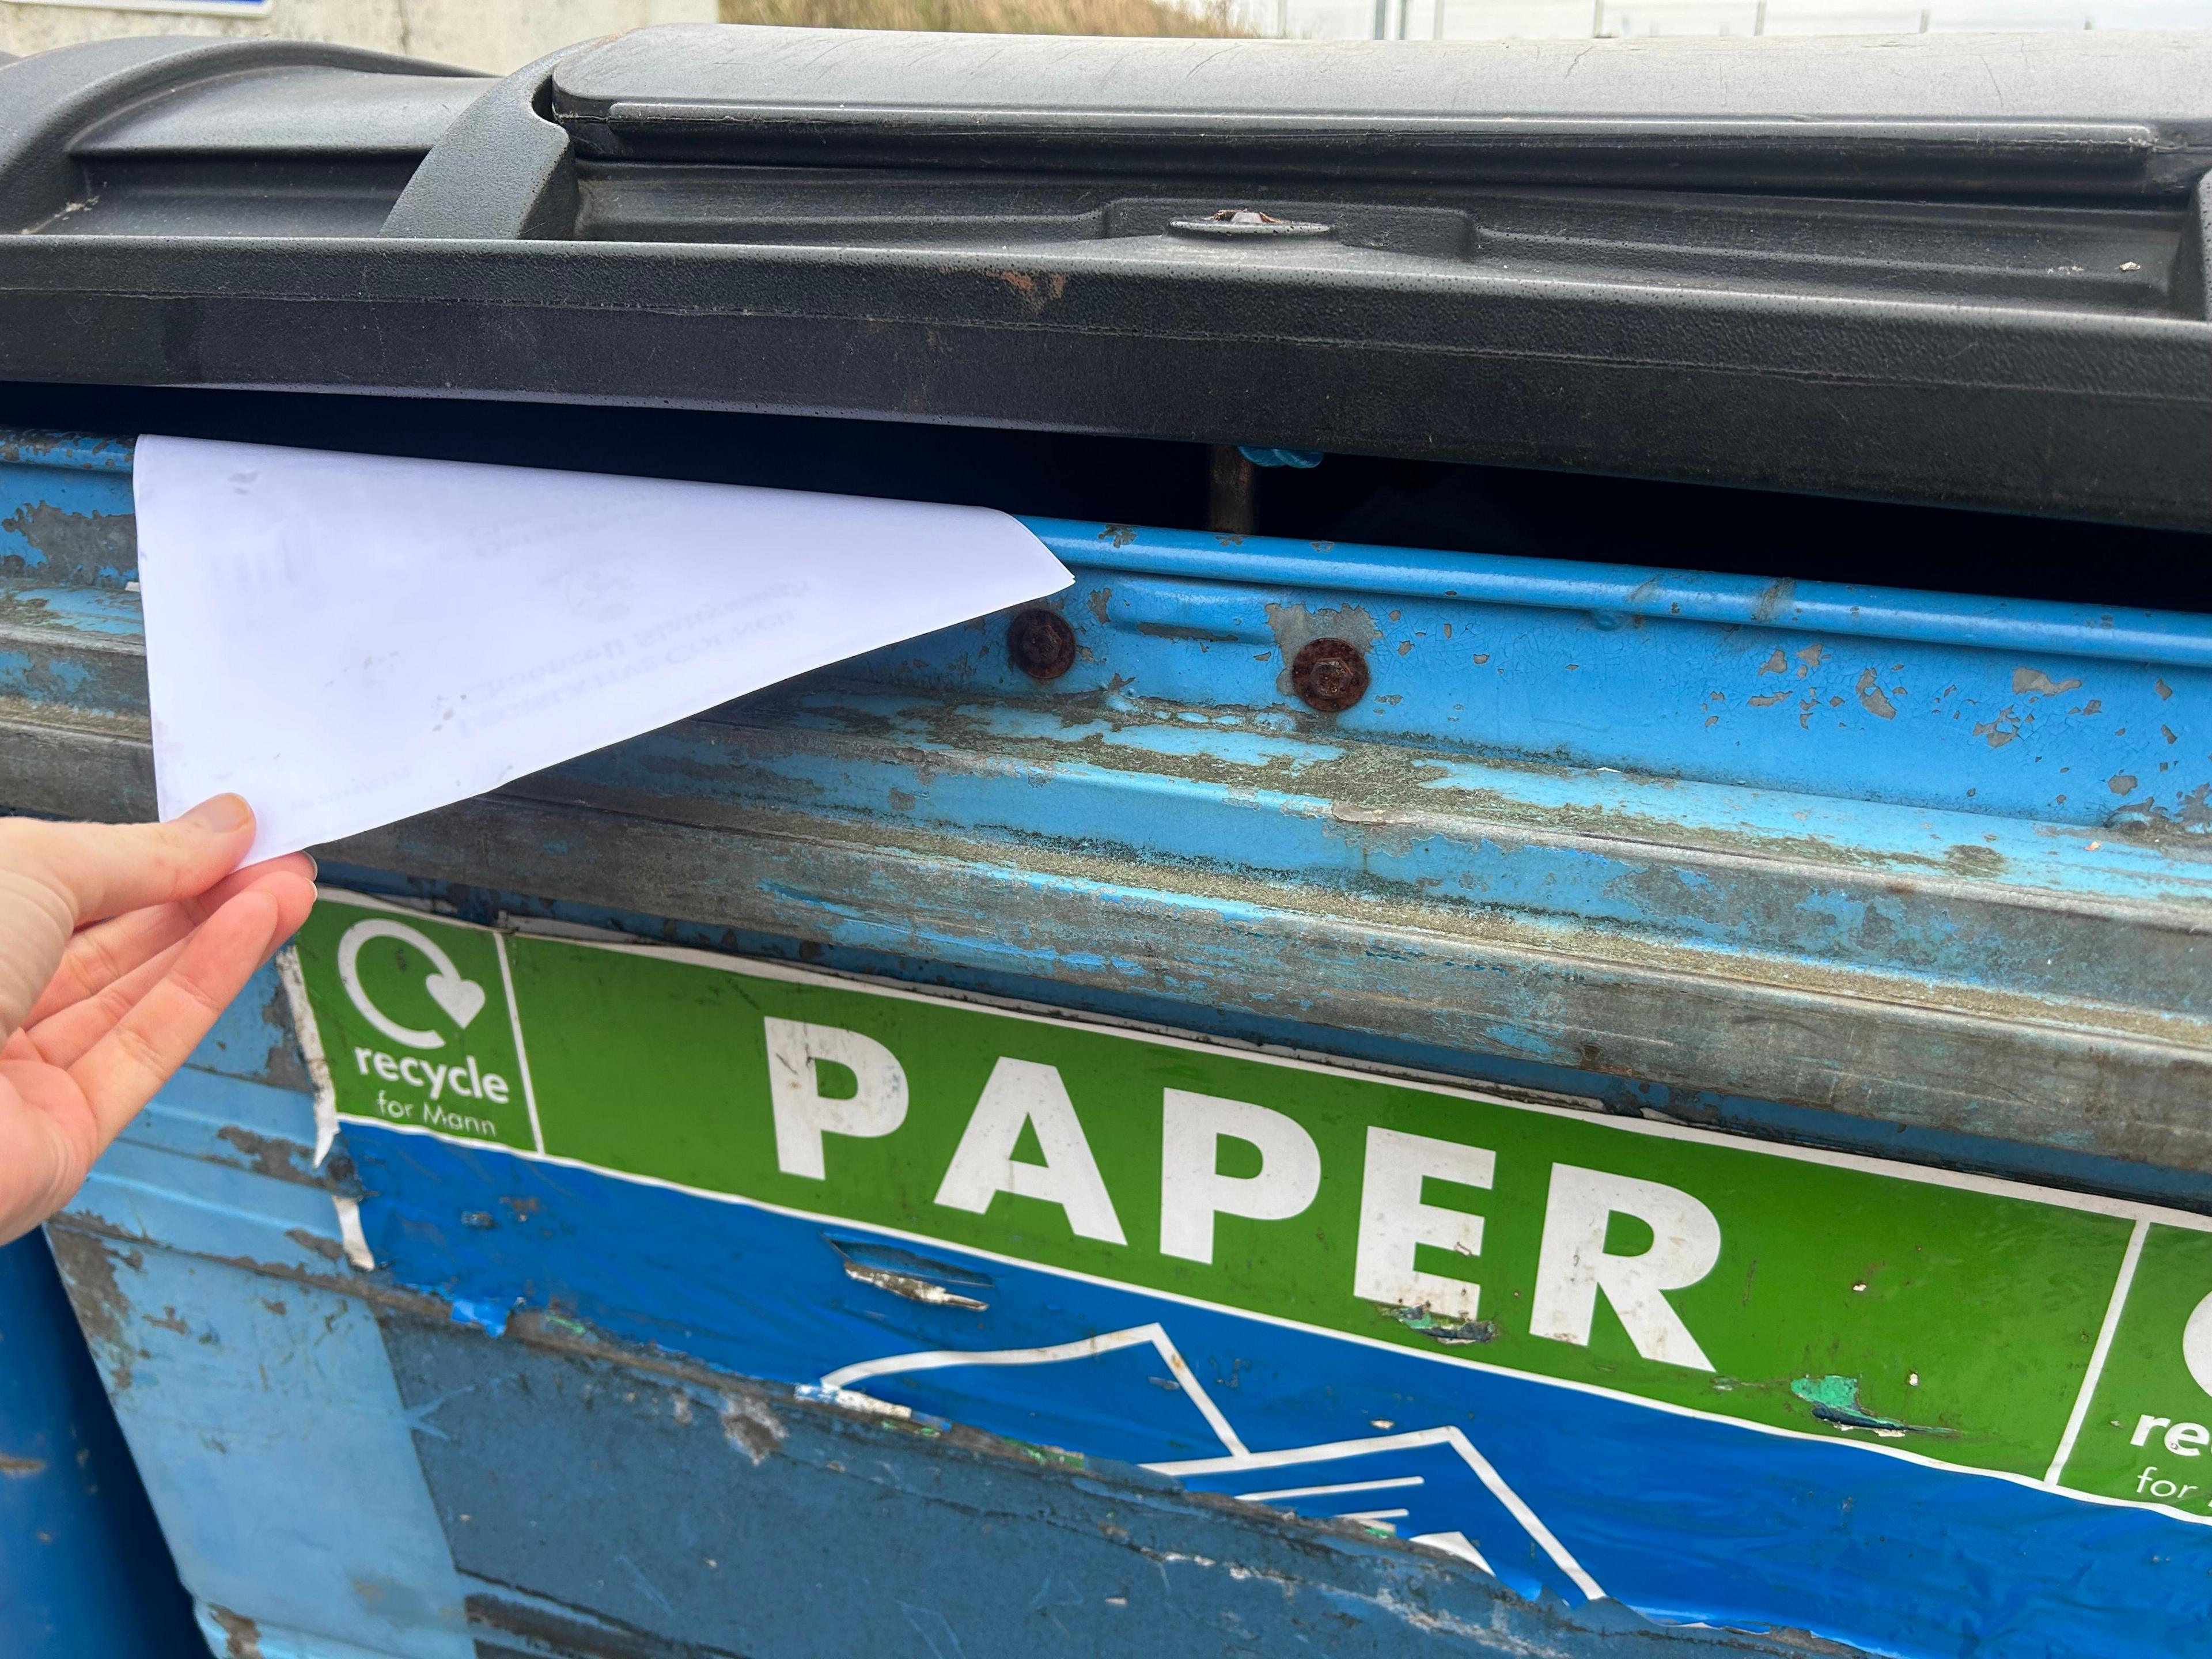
x: 350, y: 1236
x: 318, y: 1068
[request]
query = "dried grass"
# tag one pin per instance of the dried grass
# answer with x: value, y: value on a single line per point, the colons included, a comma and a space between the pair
x: 1210, y: 17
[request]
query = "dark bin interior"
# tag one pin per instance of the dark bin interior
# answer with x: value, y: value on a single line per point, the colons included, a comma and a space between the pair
x: 1349, y: 498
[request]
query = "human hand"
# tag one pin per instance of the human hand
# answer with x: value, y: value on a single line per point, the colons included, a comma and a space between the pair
x: 120, y: 945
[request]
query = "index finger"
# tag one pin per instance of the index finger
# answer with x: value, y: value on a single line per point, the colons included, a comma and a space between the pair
x: 102, y: 952
x: 120, y: 1072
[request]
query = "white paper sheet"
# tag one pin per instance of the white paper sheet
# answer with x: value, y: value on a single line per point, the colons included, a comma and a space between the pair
x: 348, y: 639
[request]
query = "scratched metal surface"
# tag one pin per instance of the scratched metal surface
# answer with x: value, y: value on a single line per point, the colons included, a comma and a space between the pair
x: 1895, y: 871
x: 1855, y: 868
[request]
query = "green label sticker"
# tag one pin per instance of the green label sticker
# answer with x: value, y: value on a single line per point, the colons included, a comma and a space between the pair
x: 1954, y: 1318
x: 2146, y: 1432
x: 416, y: 1022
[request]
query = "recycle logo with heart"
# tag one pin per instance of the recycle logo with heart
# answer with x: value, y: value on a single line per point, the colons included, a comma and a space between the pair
x: 461, y: 998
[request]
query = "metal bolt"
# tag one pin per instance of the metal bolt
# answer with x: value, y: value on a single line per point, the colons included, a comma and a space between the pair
x: 1245, y: 222
x: 1040, y: 643
x: 1329, y: 675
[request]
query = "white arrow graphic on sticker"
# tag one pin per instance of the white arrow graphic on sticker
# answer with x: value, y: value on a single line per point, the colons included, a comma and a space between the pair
x: 2196, y: 1344
x: 463, y: 999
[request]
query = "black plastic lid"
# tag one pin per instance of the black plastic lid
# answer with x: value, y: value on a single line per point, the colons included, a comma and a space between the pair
x: 2093, y: 113
x: 1942, y: 268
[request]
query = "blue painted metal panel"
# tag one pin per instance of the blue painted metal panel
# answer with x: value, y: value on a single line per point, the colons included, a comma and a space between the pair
x: 275, y: 1446
x: 1150, y: 799
x: 776, y: 1527
x: 745, y: 1288
x: 576, y: 1430
x: 64, y: 508
x: 82, y: 1567
x: 2001, y: 706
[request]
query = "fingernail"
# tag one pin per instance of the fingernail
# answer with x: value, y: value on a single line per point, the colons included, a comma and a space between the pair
x: 314, y: 870
x: 221, y: 814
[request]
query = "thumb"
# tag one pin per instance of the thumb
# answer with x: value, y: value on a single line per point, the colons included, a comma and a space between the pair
x: 102, y: 869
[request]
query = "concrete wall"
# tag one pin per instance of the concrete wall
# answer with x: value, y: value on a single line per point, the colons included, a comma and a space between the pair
x: 494, y: 35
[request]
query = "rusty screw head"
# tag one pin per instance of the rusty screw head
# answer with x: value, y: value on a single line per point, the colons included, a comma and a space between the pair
x: 1040, y: 643
x: 1329, y: 675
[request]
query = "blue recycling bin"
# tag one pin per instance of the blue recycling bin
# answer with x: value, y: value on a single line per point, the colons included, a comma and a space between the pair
x: 1559, y: 1007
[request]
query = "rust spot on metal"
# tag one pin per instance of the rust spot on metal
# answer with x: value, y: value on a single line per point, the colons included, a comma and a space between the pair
x: 1229, y: 493
x: 1968, y: 859
x: 78, y: 546
x: 1040, y: 643
x: 2163, y: 689
x: 241, y: 1636
x: 1329, y: 675
x: 2034, y: 683
x: 750, y: 1424
x: 20, y: 1468
x: 328, y: 1248
x: 1098, y: 601
x: 2000, y: 731
x: 284, y: 1068
x: 2186, y: 825
x: 1297, y: 626
x: 1035, y: 296
x: 1870, y: 695
x: 281, y: 1160
x: 1159, y: 630
x: 1776, y: 664
x: 2121, y: 783
x: 87, y: 1269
